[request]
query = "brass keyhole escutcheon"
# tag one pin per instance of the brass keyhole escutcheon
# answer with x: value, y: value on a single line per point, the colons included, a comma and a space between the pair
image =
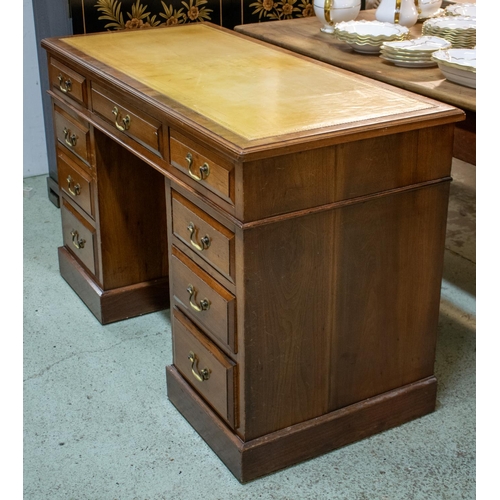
x: 76, y: 187
x: 125, y: 121
x: 204, y: 169
x: 200, y: 375
x: 204, y: 303
x: 77, y: 241
x: 204, y: 242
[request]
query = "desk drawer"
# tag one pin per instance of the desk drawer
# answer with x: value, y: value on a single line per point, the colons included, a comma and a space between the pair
x: 204, y: 167
x: 202, y: 299
x: 72, y: 134
x: 205, y: 367
x: 68, y: 82
x: 78, y: 236
x: 75, y: 182
x: 136, y: 124
x: 212, y: 241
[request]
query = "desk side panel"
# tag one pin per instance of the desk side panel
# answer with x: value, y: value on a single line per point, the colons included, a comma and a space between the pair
x: 340, y: 305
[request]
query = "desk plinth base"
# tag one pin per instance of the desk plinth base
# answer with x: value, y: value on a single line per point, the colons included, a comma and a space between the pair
x: 109, y: 306
x: 253, y: 459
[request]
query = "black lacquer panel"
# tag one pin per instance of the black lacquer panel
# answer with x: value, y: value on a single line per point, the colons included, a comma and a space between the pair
x: 100, y: 15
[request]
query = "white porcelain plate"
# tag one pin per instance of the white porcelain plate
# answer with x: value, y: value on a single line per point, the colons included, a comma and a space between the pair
x: 372, y: 29
x: 464, y: 9
x: 404, y: 63
x: 422, y: 44
x: 364, y: 48
x: 462, y: 59
x: 457, y: 65
x: 451, y: 23
x: 466, y: 79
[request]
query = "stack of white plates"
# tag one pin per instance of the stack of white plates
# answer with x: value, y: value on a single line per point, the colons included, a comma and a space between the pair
x: 366, y: 37
x: 459, y: 30
x: 458, y: 65
x: 416, y: 53
x: 461, y: 9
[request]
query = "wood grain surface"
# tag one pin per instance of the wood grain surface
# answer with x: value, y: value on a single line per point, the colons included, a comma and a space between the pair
x: 303, y: 36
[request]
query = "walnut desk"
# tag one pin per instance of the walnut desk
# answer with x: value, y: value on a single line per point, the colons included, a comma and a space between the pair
x: 291, y: 214
x: 304, y: 37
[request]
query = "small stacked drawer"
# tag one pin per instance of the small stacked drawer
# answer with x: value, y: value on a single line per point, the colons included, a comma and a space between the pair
x: 75, y: 164
x: 67, y: 83
x: 202, y: 285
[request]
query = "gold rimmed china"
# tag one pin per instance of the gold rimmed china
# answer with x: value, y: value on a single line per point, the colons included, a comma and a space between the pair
x: 413, y: 53
x: 459, y: 30
x: 457, y: 65
x: 367, y: 36
x: 330, y: 12
x: 461, y: 9
x: 428, y: 8
x: 421, y: 45
x: 409, y: 63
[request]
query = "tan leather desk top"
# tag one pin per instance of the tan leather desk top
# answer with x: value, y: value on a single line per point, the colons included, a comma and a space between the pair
x: 253, y: 90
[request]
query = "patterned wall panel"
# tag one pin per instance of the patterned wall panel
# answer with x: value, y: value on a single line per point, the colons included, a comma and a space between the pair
x: 101, y: 15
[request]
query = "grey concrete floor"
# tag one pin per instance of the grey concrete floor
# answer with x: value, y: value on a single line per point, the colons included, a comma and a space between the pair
x: 98, y: 424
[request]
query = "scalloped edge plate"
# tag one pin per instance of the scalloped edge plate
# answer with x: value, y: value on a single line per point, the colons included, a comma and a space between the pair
x: 461, y: 9
x: 423, y: 44
x: 451, y: 23
x: 463, y: 59
x: 372, y: 29
x: 409, y: 64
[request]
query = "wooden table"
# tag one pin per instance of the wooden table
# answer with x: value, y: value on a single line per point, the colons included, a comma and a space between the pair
x: 303, y: 36
x: 296, y: 233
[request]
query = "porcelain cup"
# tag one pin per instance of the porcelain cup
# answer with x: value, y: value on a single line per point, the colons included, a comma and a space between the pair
x: 331, y: 12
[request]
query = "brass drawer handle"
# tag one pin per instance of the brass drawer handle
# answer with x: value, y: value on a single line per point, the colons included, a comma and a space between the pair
x: 69, y: 138
x: 64, y: 86
x: 204, y: 303
x: 205, y: 241
x: 125, y: 121
x: 203, y: 374
x: 204, y: 169
x: 76, y: 191
x: 77, y: 241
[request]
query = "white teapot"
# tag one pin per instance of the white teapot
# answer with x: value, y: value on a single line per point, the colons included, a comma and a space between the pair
x: 331, y: 12
x: 402, y: 12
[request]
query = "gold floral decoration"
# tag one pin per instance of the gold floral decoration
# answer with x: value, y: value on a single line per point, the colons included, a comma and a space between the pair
x: 306, y: 8
x: 172, y: 16
x: 195, y: 11
x: 111, y: 10
x: 138, y: 18
x: 283, y: 9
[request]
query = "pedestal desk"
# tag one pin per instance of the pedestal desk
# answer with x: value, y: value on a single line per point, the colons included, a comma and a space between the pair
x: 291, y: 214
